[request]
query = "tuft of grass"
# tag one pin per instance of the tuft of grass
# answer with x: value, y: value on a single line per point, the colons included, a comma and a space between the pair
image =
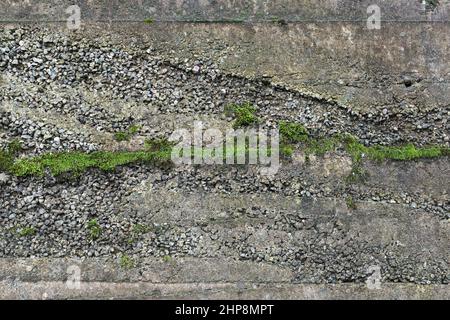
x: 126, y: 262
x: 167, y: 259
x: 149, y: 21
x: 27, y: 231
x: 350, y: 203
x: 244, y: 114
x: 94, y: 229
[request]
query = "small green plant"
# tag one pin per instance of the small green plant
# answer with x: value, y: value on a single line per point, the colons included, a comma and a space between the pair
x: 126, y: 262
x: 138, y: 230
x: 350, y: 203
x: 127, y: 135
x: 94, y: 229
x: 27, y: 231
x: 141, y: 228
x: 149, y: 21
x: 244, y: 114
x: 167, y: 259
x: 134, y: 129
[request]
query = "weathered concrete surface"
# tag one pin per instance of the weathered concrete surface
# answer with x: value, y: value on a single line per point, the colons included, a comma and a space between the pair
x: 218, y: 291
x: 301, y: 229
x: 331, y: 54
x: 223, y: 10
x: 182, y: 279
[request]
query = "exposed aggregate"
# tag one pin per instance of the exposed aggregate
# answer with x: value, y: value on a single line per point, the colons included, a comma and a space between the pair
x: 57, y: 74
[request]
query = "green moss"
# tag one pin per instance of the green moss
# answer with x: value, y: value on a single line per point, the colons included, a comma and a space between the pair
x: 7, y: 156
x: 6, y: 161
x: 141, y: 228
x: 244, y: 114
x: 122, y: 136
x: 126, y: 262
x: 286, y: 150
x: 127, y: 135
x: 94, y: 229
x: 134, y: 129
x: 320, y: 146
x: 158, y: 145
x: 79, y: 162
x: 404, y: 153
x: 293, y: 132
x: 27, y: 231
x: 158, y: 152
x: 15, y: 147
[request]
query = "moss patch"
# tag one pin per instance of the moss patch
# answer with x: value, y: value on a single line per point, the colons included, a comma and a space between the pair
x: 27, y: 231
x: 244, y: 114
x: 8, y: 154
x: 79, y: 162
x: 291, y: 132
x: 127, y: 135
